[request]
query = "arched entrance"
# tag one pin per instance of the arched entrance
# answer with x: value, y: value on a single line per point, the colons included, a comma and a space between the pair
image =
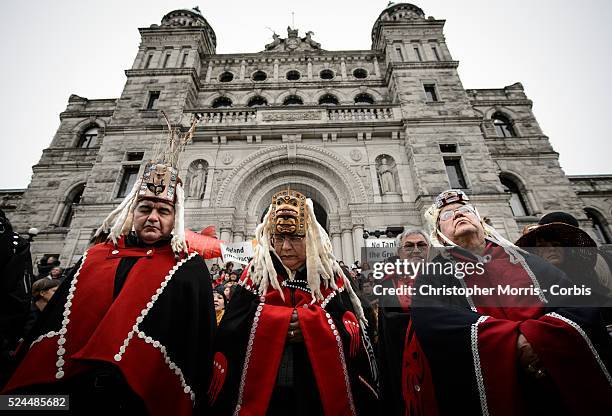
x: 319, y: 174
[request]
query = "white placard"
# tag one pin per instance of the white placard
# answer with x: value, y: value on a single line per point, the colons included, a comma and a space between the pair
x: 381, y: 242
x: 237, y: 252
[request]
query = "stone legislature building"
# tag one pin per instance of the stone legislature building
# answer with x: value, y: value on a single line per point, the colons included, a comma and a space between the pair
x: 370, y: 135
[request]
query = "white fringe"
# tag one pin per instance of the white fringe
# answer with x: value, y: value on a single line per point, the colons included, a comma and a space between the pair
x: 178, y: 243
x: 118, y: 219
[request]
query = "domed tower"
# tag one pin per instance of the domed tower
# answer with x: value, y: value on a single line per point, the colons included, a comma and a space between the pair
x: 167, y: 67
x: 405, y: 34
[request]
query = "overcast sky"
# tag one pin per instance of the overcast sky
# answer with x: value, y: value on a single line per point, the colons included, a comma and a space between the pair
x: 559, y: 50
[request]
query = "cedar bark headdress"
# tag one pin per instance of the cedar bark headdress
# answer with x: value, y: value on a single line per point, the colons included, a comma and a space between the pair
x: 159, y: 182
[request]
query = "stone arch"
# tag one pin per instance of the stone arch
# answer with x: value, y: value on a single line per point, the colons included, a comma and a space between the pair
x: 244, y: 100
x: 66, y: 198
x: 86, y: 124
x: 511, y: 115
x: 281, y: 97
x: 601, y: 226
x: 341, y: 96
x: 211, y: 99
x: 522, y: 193
x: 336, y: 168
x: 375, y: 94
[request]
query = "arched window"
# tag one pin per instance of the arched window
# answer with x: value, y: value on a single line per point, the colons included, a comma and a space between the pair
x: 89, y: 138
x: 226, y: 77
x: 257, y: 101
x: 293, y: 100
x: 327, y: 74
x: 222, y: 102
x: 293, y: 75
x: 328, y: 99
x: 360, y: 73
x: 503, y: 127
x: 364, y: 98
x: 600, y: 226
x: 259, y: 76
x: 70, y: 204
x: 517, y: 202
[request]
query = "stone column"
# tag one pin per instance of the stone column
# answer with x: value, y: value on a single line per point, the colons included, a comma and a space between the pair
x: 336, y: 239
x: 343, y: 69
x: 347, y: 247
x: 376, y: 68
x: 242, y: 69
x: 309, y: 68
x: 357, y: 241
x: 58, y: 214
x: 238, y: 237
x: 208, y: 70
x: 226, y: 235
x: 276, y: 70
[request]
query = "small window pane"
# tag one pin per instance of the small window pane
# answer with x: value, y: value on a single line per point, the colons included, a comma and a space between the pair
x: 430, y: 92
x: 360, y: 73
x: 152, y: 101
x: 89, y: 138
x: 517, y: 204
x: 364, y: 99
x: 130, y: 174
x: 328, y: 99
x: 455, y: 174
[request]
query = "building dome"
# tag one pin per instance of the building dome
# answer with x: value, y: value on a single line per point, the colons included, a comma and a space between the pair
x: 188, y: 18
x: 398, y: 12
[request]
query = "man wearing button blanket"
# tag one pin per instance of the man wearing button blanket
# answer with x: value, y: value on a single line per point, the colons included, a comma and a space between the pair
x: 130, y: 330
x: 500, y: 354
x: 293, y: 339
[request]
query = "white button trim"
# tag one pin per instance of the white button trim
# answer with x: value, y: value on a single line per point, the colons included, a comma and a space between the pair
x: 64, y: 329
x: 149, y: 340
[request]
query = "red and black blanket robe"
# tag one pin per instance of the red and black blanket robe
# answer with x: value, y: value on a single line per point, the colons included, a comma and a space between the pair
x: 251, y: 341
x: 402, y: 365
x: 472, y: 355
x: 132, y: 308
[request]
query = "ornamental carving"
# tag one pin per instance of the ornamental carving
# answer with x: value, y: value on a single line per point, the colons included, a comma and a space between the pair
x: 292, y: 116
x: 356, y: 155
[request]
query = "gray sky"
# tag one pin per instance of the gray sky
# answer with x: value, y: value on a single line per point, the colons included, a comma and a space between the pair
x: 560, y: 51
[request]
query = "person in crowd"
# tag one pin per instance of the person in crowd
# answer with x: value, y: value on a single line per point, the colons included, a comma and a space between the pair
x: 229, y: 267
x: 214, y: 269
x: 56, y: 273
x: 220, y: 303
x: 292, y: 339
x: 517, y: 354
x: 559, y: 240
x: 42, y: 292
x: 45, y: 265
x: 15, y: 292
x: 130, y: 331
x: 394, y: 329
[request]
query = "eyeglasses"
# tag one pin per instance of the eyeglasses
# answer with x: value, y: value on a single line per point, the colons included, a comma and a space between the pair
x: 280, y: 239
x: 421, y: 245
x: 465, y: 209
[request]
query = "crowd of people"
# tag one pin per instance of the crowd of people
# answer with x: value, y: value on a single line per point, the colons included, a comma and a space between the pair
x: 141, y: 326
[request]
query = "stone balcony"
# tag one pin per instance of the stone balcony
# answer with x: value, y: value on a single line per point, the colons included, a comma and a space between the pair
x: 298, y: 114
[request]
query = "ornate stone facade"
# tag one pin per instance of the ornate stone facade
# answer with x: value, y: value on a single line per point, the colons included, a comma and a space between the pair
x: 321, y: 121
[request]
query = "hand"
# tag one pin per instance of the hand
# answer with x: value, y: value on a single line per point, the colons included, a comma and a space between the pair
x: 528, y: 359
x: 294, y: 333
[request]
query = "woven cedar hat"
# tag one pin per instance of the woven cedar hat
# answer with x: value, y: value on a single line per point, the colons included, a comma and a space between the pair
x: 159, y: 181
x: 563, y: 228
